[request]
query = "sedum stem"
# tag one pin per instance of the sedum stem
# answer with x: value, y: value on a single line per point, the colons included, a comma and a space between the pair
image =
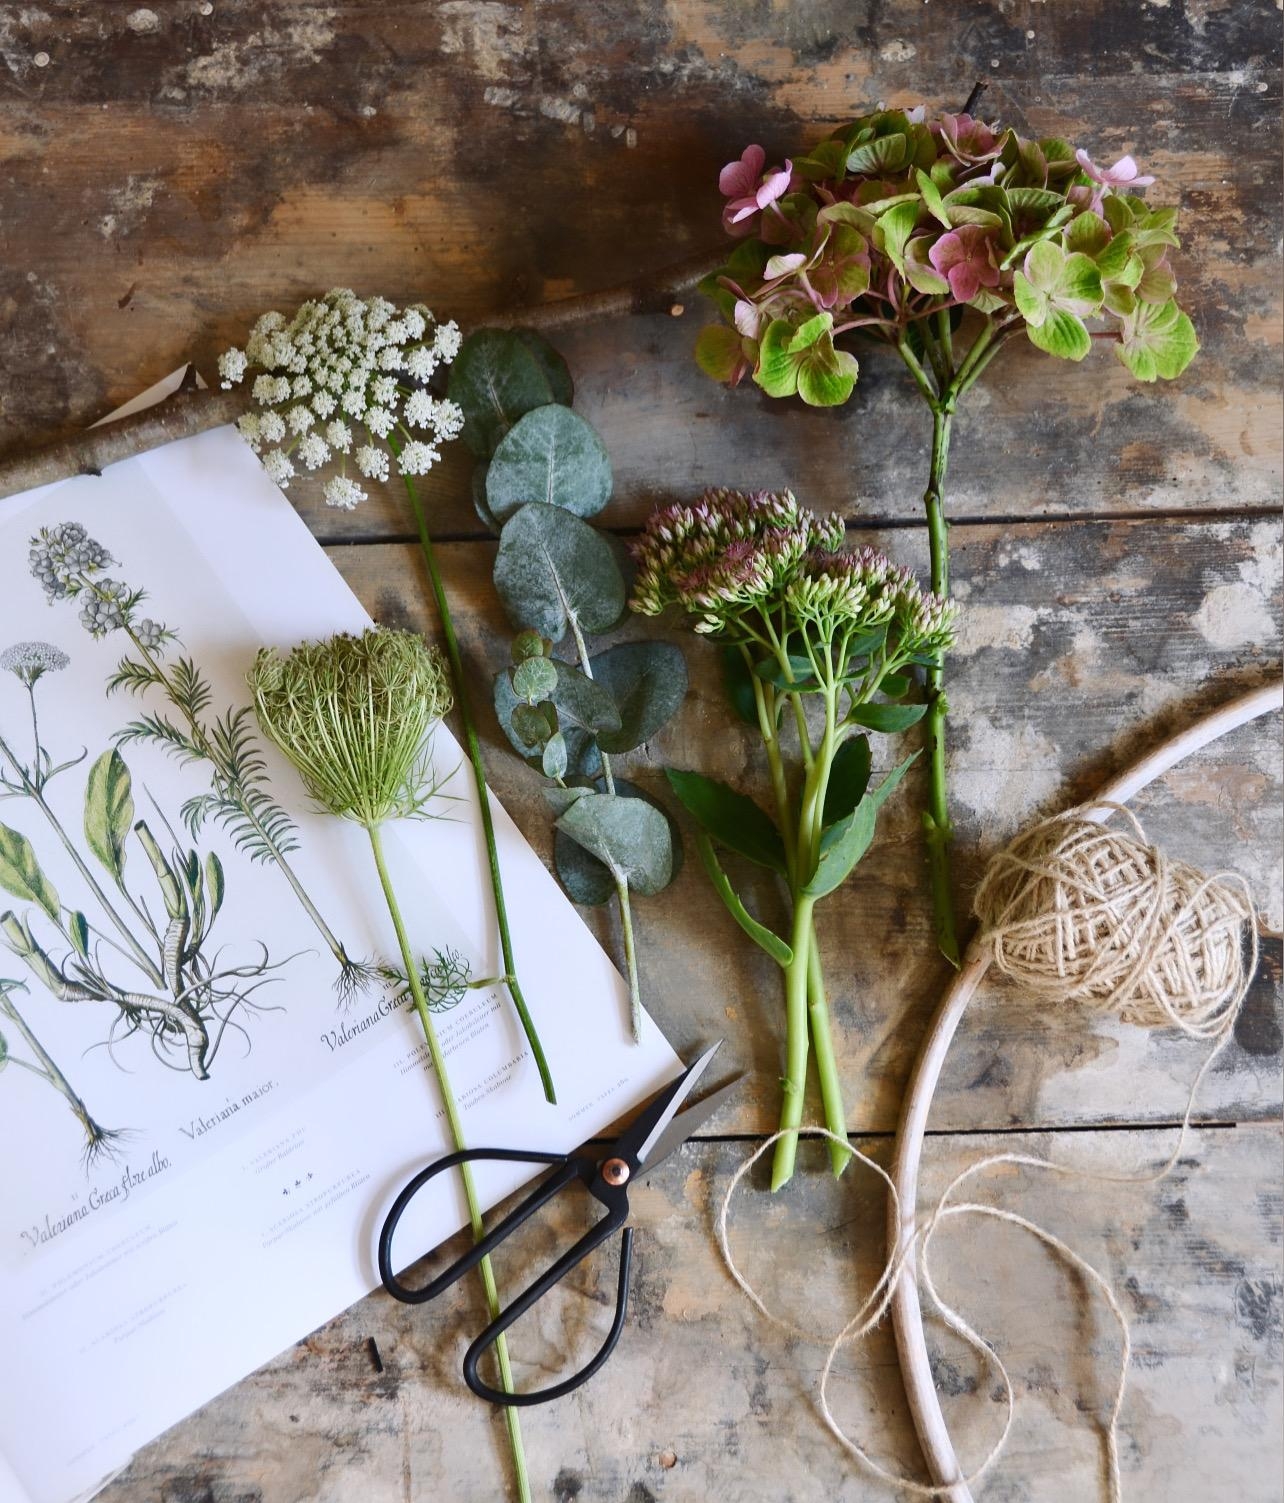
x: 822, y: 1043
x: 796, y: 1028
x: 465, y: 1170
x: 464, y: 702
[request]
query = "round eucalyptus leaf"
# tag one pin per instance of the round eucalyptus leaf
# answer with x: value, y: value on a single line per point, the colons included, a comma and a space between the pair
x: 648, y: 682
x: 534, y: 679
x: 628, y: 835
x: 550, y: 455
x: 551, y: 568
x: 583, y: 760
x: 582, y: 701
x: 496, y: 379
x: 478, y: 487
x: 581, y: 874
x: 532, y: 725
x: 554, y: 759
x: 551, y: 363
x: 528, y: 644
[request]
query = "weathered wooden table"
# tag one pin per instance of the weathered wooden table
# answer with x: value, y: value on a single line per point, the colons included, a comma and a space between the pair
x: 170, y: 172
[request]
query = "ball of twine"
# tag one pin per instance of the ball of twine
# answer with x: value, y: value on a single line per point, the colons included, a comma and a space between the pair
x: 1077, y: 912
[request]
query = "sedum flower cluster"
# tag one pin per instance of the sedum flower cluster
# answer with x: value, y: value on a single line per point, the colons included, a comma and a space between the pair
x: 68, y: 564
x: 346, y: 378
x: 897, y: 217
x: 734, y: 561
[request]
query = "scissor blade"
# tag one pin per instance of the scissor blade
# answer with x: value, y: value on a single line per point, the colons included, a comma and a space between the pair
x: 687, y: 1123
x: 638, y: 1141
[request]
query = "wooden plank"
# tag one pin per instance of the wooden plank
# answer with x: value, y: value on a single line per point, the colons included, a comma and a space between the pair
x: 192, y: 170
x: 704, y: 1400
x: 1079, y: 646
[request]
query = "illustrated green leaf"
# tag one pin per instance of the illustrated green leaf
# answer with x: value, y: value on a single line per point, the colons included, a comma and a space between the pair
x: 647, y: 682
x: 215, y: 883
x: 20, y: 873
x: 534, y: 679
x: 1061, y: 334
x: 1158, y: 341
x: 843, y: 844
x: 109, y: 810
x: 887, y: 718
x: 628, y: 835
x: 78, y: 929
x: 585, y: 879
x: 720, y: 350
x: 732, y: 819
x: 496, y: 379
x: 4, y: 1051
x: 550, y: 455
x: 848, y: 779
x: 553, y: 568
x: 768, y: 939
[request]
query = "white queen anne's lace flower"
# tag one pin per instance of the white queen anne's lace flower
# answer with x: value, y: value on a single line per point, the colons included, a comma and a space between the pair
x: 341, y: 370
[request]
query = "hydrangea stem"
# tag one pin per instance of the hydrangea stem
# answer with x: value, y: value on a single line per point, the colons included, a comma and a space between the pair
x: 463, y: 702
x: 936, y: 819
x: 465, y: 1170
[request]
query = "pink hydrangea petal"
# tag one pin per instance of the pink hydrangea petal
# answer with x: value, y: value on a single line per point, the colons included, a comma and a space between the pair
x: 964, y: 282
x: 747, y: 318
x: 740, y: 209
x: 946, y: 252
x: 738, y: 179
x: 775, y: 185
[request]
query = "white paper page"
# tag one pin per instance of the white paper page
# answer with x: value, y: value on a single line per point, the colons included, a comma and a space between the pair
x: 238, y: 1212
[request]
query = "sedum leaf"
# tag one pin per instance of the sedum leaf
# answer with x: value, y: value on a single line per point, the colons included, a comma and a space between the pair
x: 781, y: 952
x: 732, y: 819
x: 848, y: 779
x: 550, y: 455
x: 887, y: 718
x: 843, y: 844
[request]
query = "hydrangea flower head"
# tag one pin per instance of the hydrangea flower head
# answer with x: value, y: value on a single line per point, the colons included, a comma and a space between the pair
x: 341, y: 369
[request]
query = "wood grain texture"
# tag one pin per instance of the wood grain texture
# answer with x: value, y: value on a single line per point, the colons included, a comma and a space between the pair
x: 479, y: 153
x: 704, y: 1400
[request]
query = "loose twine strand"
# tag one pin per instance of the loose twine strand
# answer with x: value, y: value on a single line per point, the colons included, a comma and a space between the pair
x: 1075, y: 913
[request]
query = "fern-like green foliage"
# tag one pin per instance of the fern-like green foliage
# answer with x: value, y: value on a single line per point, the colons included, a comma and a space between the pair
x: 239, y: 799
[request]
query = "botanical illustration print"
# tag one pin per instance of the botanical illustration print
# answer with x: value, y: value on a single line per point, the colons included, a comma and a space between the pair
x: 140, y: 944
x: 69, y: 565
x: 156, y: 894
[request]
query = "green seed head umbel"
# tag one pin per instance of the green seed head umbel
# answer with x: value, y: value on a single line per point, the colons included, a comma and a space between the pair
x: 355, y: 716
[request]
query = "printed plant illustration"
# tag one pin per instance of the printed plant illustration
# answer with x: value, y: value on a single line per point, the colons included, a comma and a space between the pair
x: 69, y: 566
x: 99, y: 1141
x: 154, y: 970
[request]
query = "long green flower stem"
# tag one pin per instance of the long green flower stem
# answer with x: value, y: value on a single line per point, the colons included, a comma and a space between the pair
x: 806, y: 1005
x: 941, y: 390
x: 465, y: 1170
x: 463, y: 702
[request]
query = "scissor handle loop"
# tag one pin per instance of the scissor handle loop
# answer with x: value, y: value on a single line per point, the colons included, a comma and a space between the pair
x: 592, y: 1239
x: 569, y: 1170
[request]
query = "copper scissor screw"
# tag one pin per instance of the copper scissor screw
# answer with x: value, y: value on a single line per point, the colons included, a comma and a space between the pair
x: 616, y: 1172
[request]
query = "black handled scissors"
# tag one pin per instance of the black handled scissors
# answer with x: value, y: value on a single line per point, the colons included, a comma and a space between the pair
x: 605, y: 1172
